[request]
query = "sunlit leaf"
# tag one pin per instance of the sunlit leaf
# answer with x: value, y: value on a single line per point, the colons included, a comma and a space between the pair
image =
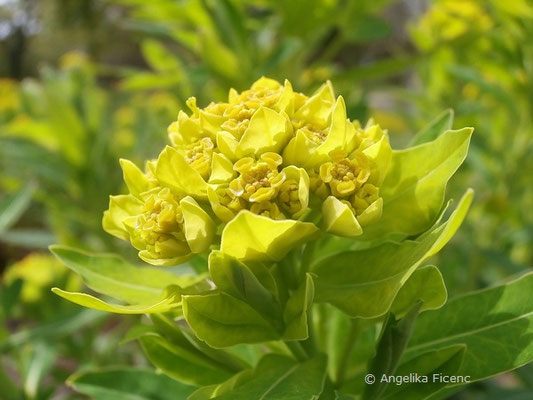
x: 113, y: 276
x: 86, y: 300
x: 364, y: 283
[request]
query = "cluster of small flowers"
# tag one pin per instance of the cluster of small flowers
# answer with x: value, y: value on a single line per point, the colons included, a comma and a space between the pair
x: 269, y: 151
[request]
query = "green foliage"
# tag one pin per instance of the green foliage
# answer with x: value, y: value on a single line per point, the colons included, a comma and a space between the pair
x: 253, y: 299
x: 128, y: 384
x: 274, y: 377
x: 499, y: 316
x: 368, y: 290
x: 182, y: 363
x: 286, y: 313
x: 389, y: 350
x: 416, y: 182
x: 68, y: 133
x: 112, y: 276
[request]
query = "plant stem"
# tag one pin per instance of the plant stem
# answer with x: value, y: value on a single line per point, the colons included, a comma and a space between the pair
x: 297, y: 350
x: 309, y: 344
x: 353, y: 334
x: 307, y: 259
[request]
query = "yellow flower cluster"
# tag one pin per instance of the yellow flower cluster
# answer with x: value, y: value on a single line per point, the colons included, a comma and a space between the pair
x: 448, y: 20
x: 269, y: 151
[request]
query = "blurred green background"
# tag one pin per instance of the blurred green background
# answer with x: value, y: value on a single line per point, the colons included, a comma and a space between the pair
x: 85, y: 82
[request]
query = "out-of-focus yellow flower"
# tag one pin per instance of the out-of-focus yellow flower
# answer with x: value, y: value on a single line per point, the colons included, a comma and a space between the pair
x: 9, y: 96
x: 73, y: 60
x: 448, y: 20
x: 39, y: 272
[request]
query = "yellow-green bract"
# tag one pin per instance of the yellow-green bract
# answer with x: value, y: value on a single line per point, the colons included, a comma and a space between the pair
x: 268, y: 170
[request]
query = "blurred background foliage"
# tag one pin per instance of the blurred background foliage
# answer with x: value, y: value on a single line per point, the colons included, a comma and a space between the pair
x: 85, y: 82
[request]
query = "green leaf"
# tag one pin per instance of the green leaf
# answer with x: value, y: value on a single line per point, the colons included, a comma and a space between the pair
x: 182, y: 364
x: 86, y: 300
x: 209, y: 392
x: 279, y: 377
x: 9, y: 296
x: 10, y: 391
x: 112, y: 276
x: 442, y: 362
x: 390, y: 348
x: 222, y: 320
x: 148, y: 80
x: 237, y: 280
x: 38, y: 161
x: 443, y: 122
x: 12, y: 207
x: 28, y: 237
x: 128, y: 384
x: 495, y: 324
x: 426, y: 284
x: 40, y: 363
x: 219, y: 58
x: 185, y: 338
x: 368, y: 29
x: 230, y: 23
x: 159, y: 58
x: 296, y: 311
x: 364, y: 283
x: 413, y: 190
x: 54, y: 329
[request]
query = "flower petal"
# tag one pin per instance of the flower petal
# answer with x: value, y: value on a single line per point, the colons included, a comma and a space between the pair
x: 268, y: 131
x: 318, y: 107
x: 340, y: 134
x: 221, y: 169
x: 381, y: 154
x: 174, y: 172
x: 299, y: 150
x: 285, y: 102
x: 222, y: 212
x: 120, y: 208
x: 372, y: 213
x: 148, y: 257
x: 339, y: 219
x: 300, y: 176
x: 198, y: 226
x: 135, y: 179
x: 264, y: 82
x: 227, y: 144
x: 252, y: 237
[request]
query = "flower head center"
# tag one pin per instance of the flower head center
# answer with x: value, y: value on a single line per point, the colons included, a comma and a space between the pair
x: 258, y: 180
x: 198, y: 154
x: 161, y: 215
x: 345, y: 176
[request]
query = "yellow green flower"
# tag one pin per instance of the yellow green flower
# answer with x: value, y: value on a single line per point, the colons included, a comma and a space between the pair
x: 447, y: 20
x: 256, y: 163
x: 9, y: 96
x: 263, y: 189
x: 350, y: 183
x: 165, y: 227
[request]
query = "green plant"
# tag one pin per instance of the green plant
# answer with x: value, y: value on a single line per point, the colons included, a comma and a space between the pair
x: 203, y: 47
x: 476, y: 58
x: 302, y: 242
x: 68, y: 132
x: 43, y: 340
x: 59, y: 138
